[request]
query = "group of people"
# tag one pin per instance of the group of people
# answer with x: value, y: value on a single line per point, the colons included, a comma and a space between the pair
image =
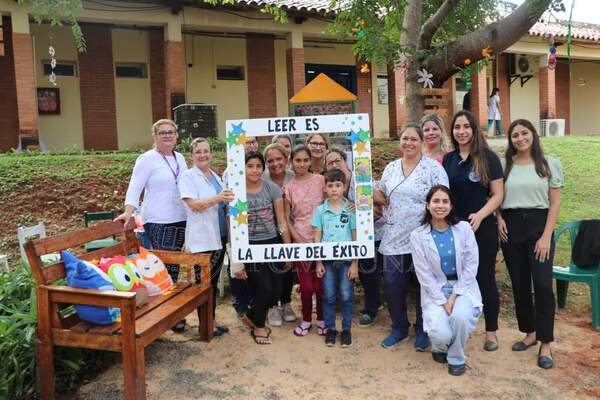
x: 441, y: 217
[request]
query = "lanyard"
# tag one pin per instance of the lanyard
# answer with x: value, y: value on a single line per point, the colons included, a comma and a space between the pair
x: 176, y: 171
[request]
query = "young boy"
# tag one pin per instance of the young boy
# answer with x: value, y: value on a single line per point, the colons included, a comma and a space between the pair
x: 333, y: 222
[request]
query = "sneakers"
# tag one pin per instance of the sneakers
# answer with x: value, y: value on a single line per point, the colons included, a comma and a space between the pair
x: 365, y: 320
x: 393, y: 339
x: 422, y: 342
x: 274, y: 316
x: 288, y: 313
x: 330, y: 337
x: 346, y: 339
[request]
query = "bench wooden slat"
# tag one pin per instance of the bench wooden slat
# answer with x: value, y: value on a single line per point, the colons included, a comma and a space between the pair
x: 67, y: 338
x: 90, y: 297
x: 159, y: 315
x: 77, y: 238
x: 156, y: 301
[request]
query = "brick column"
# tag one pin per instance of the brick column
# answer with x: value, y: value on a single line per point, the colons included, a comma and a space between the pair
x: 22, y: 48
x: 503, y: 84
x: 479, y: 96
x: 295, y: 63
x: 9, y: 120
x: 158, y: 88
x: 547, y: 90
x: 450, y: 105
x: 396, y: 98
x: 563, y: 90
x: 260, y: 61
x: 97, y: 88
x: 364, y: 91
x: 174, y: 74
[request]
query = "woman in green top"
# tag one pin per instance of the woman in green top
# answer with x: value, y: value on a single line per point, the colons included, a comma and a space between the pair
x: 525, y: 224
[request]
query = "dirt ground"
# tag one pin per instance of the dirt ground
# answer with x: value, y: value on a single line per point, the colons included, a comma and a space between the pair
x: 233, y: 367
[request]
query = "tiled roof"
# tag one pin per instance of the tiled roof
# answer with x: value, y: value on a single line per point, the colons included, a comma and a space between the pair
x: 579, y: 30
x: 321, y: 7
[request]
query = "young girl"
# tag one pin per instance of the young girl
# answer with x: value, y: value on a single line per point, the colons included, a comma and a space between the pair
x: 266, y: 225
x: 303, y: 195
x: 445, y: 255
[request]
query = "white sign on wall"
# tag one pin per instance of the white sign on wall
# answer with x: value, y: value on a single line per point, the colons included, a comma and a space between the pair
x: 358, y: 133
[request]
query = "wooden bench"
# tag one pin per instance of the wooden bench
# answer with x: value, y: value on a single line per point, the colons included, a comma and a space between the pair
x: 138, y: 328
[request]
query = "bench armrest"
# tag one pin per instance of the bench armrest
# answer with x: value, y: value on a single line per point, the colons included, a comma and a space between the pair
x: 88, y: 297
x: 176, y: 257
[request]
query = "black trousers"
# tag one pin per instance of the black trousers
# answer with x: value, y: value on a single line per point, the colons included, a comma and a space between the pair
x: 167, y: 237
x: 284, y: 282
x: 525, y: 227
x: 487, y: 241
x: 262, y: 280
x: 370, y: 271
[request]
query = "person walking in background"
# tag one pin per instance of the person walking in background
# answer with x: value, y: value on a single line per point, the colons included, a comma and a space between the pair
x: 475, y: 175
x: 403, y: 188
x: 494, y: 114
x: 303, y: 195
x: 526, y: 224
x: 445, y: 254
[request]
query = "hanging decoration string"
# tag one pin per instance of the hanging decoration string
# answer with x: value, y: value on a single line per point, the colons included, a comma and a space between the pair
x: 570, y: 37
x: 52, y: 53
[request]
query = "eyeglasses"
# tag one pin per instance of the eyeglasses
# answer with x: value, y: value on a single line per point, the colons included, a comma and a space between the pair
x: 318, y: 144
x: 167, y: 133
x: 333, y: 162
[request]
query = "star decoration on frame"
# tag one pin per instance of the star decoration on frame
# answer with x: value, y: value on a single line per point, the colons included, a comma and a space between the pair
x: 242, y: 218
x: 231, y: 139
x: 241, y: 139
x: 363, y: 136
x: 237, y: 129
x: 425, y: 78
x: 361, y: 147
x: 242, y: 206
x: 353, y: 137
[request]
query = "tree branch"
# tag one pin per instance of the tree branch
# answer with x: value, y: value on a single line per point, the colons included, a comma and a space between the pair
x: 434, y: 22
x: 498, y: 35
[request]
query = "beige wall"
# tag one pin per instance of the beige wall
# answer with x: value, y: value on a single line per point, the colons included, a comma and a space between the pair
x: 327, y: 53
x: 132, y: 95
x: 205, y: 53
x: 381, y: 119
x: 585, y: 118
x: 58, y: 132
x: 525, y: 101
x: 283, y: 109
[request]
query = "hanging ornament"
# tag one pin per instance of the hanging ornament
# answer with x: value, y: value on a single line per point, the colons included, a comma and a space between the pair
x: 487, y: 52
x: 552, y: 56
x: 404, y: 66
x: 364, y: 68
x: 425, y: 78
x: 467, y: 61
x: 52, y: 53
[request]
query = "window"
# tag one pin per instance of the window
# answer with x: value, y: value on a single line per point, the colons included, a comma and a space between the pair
x: 63, y: 68
x: 131, y: 70
x: 230, y: 73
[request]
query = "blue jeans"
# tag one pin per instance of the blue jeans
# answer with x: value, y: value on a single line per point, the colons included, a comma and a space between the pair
x: 335, y: 281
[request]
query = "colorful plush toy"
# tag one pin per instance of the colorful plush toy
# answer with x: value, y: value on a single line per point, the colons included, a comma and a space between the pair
x: 85, y: 275
x: 154, y: 272
x: 124, y: 274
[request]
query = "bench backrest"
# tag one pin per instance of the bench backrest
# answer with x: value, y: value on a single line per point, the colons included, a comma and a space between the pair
x: 127, y: 243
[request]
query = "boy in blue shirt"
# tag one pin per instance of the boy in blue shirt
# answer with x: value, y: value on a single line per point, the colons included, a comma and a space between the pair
x: 333, y: 222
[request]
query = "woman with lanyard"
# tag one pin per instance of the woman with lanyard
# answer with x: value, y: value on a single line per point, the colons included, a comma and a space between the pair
x: 402, y: 189
x: 156, y: 173
x: 276, y: 157
x: 475, y: 175
x: 206, y: 228
x: 529, y: 212
x: 266, y: 225
x: 445, y: 254
x: 318, y: 144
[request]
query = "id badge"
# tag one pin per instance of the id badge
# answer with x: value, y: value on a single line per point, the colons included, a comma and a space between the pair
x: 176, y: 197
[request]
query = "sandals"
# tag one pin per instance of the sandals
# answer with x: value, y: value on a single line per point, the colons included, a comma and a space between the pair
x: 302, y: 330
x: 261, y: 339
x: 321, y: 330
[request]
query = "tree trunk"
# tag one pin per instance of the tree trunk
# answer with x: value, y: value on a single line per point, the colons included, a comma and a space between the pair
x: 408, y: 40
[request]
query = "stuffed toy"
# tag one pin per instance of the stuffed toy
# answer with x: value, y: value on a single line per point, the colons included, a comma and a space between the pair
x: 125, y: 276
x: 153, y: 271
x: 85, y: 275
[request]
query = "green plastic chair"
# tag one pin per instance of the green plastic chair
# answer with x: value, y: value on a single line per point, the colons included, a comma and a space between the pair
x: 573, y: 273
x: 90, y: 217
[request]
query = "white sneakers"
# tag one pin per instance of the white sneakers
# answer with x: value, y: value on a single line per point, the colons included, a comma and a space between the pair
x: 277, y: 315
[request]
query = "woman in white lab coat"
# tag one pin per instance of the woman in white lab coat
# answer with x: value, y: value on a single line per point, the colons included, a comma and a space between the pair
x: 445, y: 256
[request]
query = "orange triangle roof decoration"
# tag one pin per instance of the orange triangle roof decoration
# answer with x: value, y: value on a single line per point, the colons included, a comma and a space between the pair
x: 322, y: 89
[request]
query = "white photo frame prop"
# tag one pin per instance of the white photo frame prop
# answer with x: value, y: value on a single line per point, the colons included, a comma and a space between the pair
x: 358, y: 133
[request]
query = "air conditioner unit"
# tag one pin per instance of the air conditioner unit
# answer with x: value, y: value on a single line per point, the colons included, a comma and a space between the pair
x: 522, y: 65
x: 552, y: 127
